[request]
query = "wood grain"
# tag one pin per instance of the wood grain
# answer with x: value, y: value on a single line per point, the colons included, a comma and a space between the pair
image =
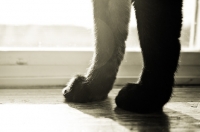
x: 44, y: 109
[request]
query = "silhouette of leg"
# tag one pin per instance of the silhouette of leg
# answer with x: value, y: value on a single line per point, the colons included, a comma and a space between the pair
x: 111, y: 19
x: 159, y: 26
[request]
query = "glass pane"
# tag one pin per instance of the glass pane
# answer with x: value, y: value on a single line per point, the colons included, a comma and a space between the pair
x: 188, y: 18
x: 62, y: 23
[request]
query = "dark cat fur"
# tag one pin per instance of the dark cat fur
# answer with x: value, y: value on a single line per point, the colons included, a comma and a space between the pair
x: 159, y: 26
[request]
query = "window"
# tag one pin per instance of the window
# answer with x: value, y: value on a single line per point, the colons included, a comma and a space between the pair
x: 39, y: 45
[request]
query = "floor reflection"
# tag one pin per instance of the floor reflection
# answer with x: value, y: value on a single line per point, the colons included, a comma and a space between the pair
x: 168, y: 120
x: 132, y: 121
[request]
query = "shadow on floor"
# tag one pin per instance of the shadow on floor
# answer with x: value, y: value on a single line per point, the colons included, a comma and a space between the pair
x: 166, y: 121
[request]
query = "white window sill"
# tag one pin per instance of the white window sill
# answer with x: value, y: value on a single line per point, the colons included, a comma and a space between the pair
x: 33, y: 67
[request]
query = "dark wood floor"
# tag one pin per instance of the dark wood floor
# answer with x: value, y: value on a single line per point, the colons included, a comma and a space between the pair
x: 45, y: 110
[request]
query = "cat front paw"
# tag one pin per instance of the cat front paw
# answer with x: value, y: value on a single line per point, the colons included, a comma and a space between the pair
x: 76, y: 90
x: 79, y: 90
x: 143, y: 99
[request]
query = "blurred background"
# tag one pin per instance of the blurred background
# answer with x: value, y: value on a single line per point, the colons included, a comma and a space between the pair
x: 64, y: 23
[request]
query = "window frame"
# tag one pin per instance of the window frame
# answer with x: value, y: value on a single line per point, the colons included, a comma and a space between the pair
x: 50, y: 66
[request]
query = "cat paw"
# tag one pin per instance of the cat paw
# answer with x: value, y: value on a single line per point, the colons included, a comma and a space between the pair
x: 141, y: 99
x: 79, y: 90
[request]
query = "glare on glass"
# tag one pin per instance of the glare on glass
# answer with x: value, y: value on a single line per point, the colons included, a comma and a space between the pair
x: 63, y: 23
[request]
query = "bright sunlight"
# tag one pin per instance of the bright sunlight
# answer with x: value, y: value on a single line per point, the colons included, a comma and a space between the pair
x: 62, y: 23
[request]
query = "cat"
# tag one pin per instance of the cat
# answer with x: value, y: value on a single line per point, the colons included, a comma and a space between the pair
x: 159, y: 24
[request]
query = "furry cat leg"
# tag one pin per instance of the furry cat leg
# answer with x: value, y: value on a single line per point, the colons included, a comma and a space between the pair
x: 111, y: 18
x: 159, y: 26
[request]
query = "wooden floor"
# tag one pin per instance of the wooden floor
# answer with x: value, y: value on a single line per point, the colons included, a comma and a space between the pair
x: 45, y: 110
